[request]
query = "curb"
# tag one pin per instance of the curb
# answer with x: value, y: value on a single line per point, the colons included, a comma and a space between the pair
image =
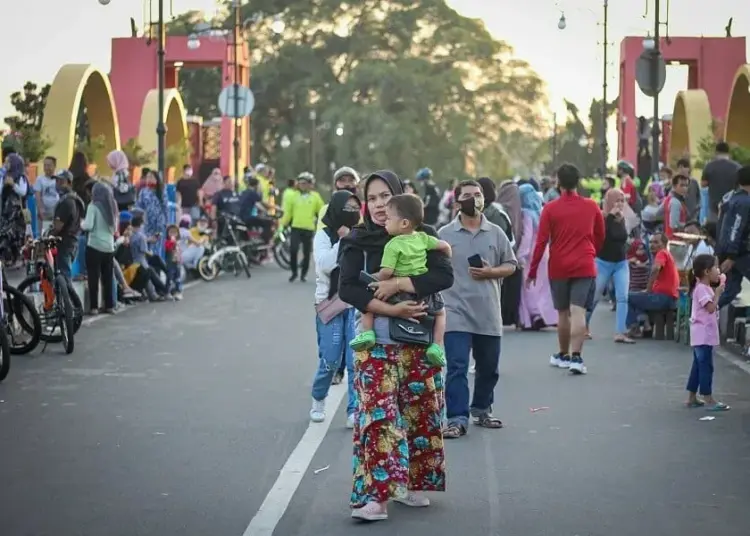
x: 734, y: 359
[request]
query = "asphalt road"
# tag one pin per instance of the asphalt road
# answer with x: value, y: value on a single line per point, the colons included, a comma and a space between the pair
x: 178, y: 418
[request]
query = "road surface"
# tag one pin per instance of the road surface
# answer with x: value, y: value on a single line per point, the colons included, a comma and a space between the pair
x: 185, y: 418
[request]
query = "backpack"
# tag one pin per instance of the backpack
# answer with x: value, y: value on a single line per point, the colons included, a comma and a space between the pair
x: 123, y: 189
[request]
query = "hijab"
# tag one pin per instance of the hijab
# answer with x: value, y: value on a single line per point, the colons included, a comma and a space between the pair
x: 610, y: 199
x: 488, y: 190
x: 369, y: 236
x: 118, y: 161
x: 104, y: 200
x: 509, y: 197
x: 633, y: 250
x: 531, y: 203
x: 213, y: 184
x: 16, y: 166
x: 335, y: 215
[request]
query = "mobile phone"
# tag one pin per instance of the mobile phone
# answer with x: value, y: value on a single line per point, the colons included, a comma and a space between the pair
x: 366, y: 278
x: 475, y: 261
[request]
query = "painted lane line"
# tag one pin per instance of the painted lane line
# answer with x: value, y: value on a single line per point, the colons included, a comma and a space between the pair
x: 290, y: 477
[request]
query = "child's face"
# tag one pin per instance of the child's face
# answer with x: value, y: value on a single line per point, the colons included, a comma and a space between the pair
x: 128, y: 231
x: 714, y: 273
x: 173, y: 233
x: 394, y: 223
x: 641, y: 251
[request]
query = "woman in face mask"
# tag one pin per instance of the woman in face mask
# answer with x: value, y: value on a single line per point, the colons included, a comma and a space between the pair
x: 334, y: 319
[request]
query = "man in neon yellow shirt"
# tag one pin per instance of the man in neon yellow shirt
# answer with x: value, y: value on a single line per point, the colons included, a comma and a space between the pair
x: 301, y: 213
x: 345, y: 178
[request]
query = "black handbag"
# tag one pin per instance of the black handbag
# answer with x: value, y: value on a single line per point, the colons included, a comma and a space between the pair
x: 410, y: 332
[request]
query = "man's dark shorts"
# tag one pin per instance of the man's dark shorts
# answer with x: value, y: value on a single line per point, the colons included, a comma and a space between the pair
x: 577, y: 291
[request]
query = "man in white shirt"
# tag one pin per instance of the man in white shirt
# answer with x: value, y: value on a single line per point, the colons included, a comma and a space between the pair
x: 47, y: 196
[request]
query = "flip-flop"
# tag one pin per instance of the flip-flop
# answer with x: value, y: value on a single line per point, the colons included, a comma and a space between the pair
x: 454, y: 431
x: 695, y: 404
x: 625, y: 340
x: 719, y: 406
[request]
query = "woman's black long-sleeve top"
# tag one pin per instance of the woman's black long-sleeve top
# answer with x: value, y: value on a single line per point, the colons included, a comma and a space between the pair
x: 439, y: 275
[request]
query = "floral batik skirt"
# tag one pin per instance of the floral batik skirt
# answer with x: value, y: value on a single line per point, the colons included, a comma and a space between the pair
x: 398, y: 441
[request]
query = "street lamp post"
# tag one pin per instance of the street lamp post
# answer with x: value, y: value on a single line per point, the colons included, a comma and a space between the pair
x: 161, y: 127
x: 655, y: 130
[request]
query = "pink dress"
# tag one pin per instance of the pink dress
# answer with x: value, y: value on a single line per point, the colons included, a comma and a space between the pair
x: 536, y: 300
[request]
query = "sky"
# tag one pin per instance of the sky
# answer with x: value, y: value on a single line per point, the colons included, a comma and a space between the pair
x: 570, y: 61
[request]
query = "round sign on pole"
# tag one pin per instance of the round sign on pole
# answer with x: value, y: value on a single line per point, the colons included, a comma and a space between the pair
x: 236, y: 101
x: 644, y: 74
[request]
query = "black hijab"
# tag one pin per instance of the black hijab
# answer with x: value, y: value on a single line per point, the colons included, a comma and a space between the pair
x: 334, y: 216
x: 369, y: 236
x: 488, y: 190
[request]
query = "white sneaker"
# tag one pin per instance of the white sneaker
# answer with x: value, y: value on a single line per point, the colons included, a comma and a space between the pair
x: 370, y: 512
x: 350, y: 421
x: 557, y: 360
x: 414, y: 500
x: 177, y: 296
x: 577, y: 367
x: 318, y: 411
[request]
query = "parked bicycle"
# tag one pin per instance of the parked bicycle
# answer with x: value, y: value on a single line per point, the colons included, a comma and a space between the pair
x: 21, y: 318
x: 4, y: 339
x: 226, y: 253
x: 61, y: 311
x: 281, y: 248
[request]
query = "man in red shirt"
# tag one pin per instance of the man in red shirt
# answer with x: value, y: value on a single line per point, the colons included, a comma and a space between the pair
x: 625, y: 173
x: 662, y: 290
x: 573, y: 226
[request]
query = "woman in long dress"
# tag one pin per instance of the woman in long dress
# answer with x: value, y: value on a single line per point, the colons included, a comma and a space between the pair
x: 535, y: 310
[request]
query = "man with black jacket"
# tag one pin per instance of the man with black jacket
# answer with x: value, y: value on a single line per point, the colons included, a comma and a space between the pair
x: 721, y: 175
x: 733, y: 248
x: 431, y: 196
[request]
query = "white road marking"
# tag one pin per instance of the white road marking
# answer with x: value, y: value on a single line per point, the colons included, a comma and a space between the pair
x: 734, y: 360
x: 277, y: 501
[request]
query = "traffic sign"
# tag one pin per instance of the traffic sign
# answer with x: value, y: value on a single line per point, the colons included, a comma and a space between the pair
x: 237, y: 108
x: 644, y: 76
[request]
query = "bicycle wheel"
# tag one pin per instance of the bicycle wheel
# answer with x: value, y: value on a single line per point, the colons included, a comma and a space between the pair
x: 242, y: 258
x: 20, y: 311
x: 65, y: 312
x: 48, y: 318
x: 207, y: 270
x: 281, y: 255
x: 4, y: 354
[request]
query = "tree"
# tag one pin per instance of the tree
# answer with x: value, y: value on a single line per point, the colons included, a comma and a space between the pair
x: 29, y: 104
x: 412, y: 84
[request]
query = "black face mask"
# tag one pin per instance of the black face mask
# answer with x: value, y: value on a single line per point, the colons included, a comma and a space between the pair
x: 352, y: 189
x: 349, y: 218
x: 468, y: 207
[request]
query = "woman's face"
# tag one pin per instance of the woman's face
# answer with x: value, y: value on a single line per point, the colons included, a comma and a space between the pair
x: 378, y: 194
x: 619, y: 205
x: 410, y: 189
x: 151, y: 180
x: 216, y: 173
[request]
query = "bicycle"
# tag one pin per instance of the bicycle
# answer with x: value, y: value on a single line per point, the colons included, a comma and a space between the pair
x: 59, y: 308
x: 227, y: 253
x: 4, y: 339
x: 281, y: 248
x: 20, y: 316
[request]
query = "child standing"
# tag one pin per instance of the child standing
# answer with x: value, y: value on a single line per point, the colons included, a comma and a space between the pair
x: 405, y: 255
x: 704, y: 332
x: 174, y: 261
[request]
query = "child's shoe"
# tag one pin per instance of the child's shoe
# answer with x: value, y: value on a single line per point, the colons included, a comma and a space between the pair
x: 363, y: 341
x: 436, y: 355
x: 177, y: 296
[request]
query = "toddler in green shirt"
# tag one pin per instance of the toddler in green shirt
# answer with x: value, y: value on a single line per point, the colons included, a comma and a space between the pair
x: 405, y: 255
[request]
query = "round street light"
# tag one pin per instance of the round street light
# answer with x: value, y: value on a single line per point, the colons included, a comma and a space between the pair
x: 340, y: 129
x: 278, y: 25
x: 285, y: 142
x: 562, y: 24
x: 649, y: 43
x: 583, y: 141
x: 193, y: 42
x: 104, y: 2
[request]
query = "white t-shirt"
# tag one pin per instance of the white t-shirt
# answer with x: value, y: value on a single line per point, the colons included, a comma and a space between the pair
x: 47, y: 187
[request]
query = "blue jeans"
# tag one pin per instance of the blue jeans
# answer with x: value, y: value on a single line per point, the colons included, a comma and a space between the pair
x: 644, y: 302
x: 619, y: 274
x: 174, y: 277
x: 702, y: 372
x: 486, y: 351
x: 333, y: 345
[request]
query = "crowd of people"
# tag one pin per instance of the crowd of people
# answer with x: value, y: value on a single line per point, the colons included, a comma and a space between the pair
x: 389, y: 289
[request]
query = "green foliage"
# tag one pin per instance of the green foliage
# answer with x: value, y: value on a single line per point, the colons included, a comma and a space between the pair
x: 413, y: 84
x: 29, y: 104
x: 137, y: 155
x: 178, y: 154
x: 28, y: 142
x: 706, y: 151
x: 92, y: 148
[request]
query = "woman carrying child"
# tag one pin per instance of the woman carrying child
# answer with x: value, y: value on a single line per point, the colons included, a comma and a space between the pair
x: 704, y: 332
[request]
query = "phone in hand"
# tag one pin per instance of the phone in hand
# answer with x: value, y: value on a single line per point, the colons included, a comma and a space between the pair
x: 366, y: 278
x: 475, y: 261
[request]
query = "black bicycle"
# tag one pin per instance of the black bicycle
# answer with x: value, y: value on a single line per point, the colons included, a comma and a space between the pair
x: 21, y: 318
x: 4, y: 339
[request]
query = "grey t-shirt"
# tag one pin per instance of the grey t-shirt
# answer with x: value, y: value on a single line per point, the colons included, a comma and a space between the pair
x: 474, y: 306
x: 47, y: 188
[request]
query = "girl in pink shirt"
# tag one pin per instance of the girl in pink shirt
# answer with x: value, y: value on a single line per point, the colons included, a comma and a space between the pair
x: 704, y: 332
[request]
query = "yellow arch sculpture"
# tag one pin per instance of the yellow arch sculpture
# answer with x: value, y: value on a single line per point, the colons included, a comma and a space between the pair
x: 174, y: 118
x: 73, y: 86
x: 691, y: 122
x: 737, y: 125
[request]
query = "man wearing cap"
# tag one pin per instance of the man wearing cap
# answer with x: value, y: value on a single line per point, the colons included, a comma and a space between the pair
x: 344, y: 178
x: 431, y: 196
x: 301, y: 213
x: 67, y: 225
x: 625, y: 172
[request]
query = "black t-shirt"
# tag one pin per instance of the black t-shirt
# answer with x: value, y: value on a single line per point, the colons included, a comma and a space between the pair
x: 248, y: 200
x: 68, y: 211
x: 188, y: 190
x: 227, y: 201
x: 615, y: 244
x: 721, y: 175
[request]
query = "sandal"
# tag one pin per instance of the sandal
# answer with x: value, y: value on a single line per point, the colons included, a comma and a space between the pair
x: 719, y: 406
x: 694, y: 404
x: 454, y: 431
x: 624, y: 340
x: 485, y: 420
